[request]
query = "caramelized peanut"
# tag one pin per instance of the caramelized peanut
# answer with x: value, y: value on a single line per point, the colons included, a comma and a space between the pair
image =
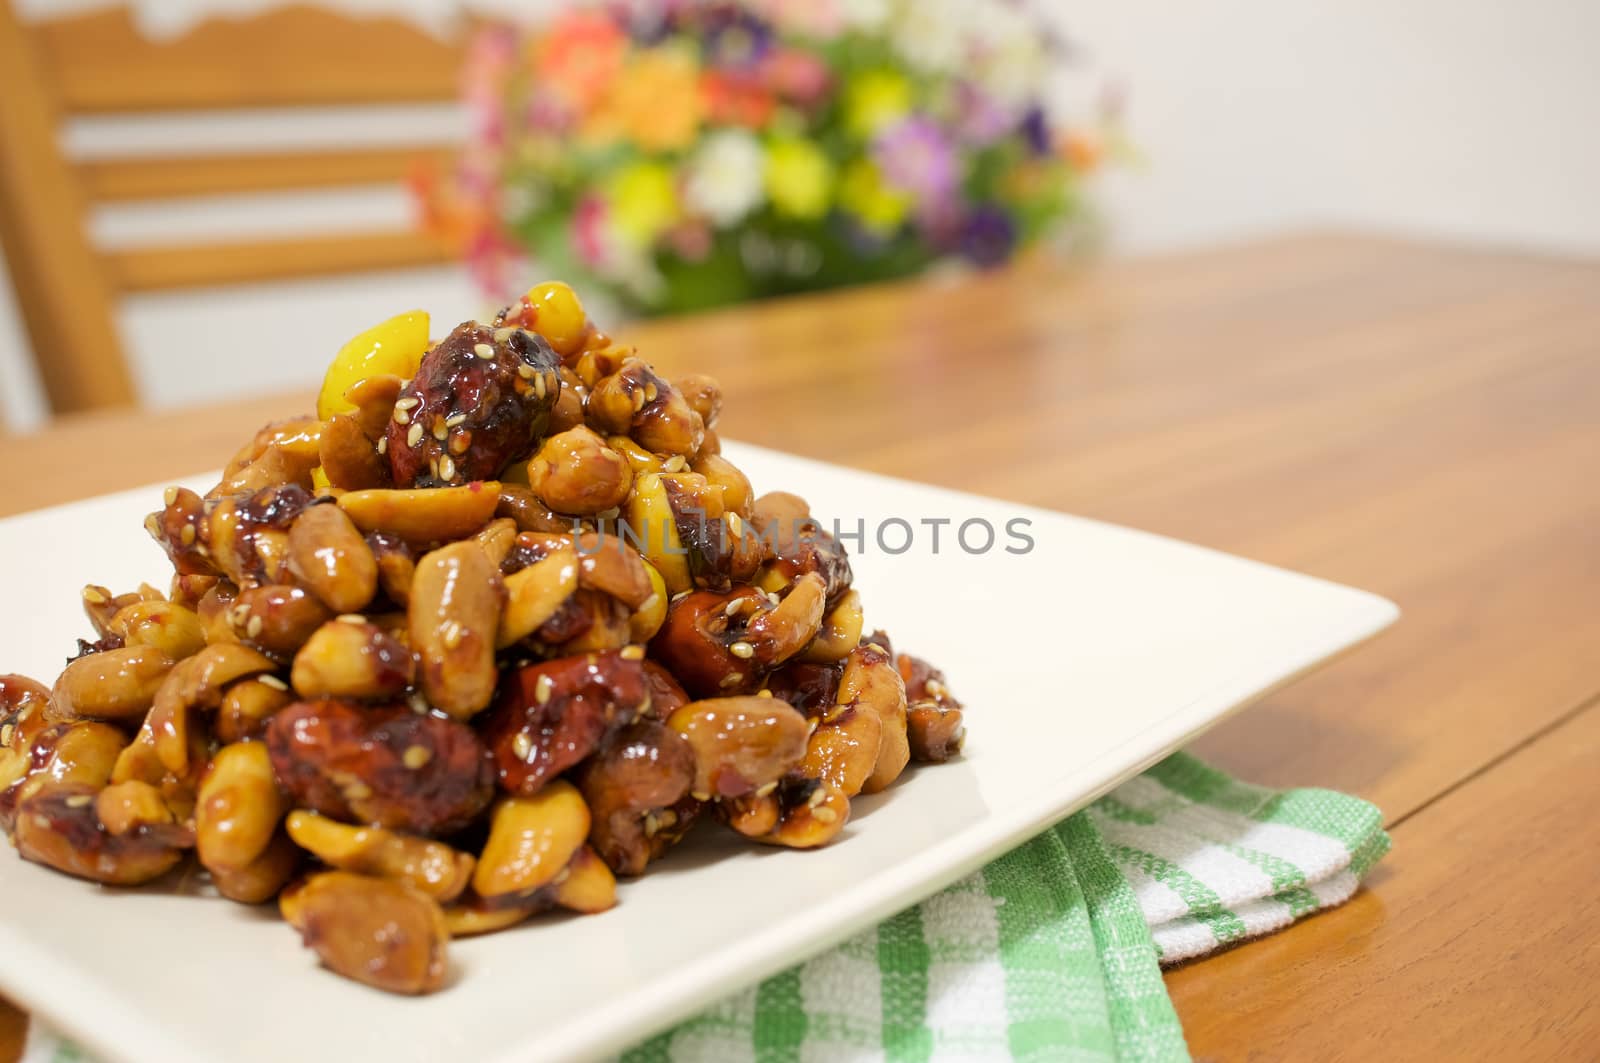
x: 349, y: 459
x: 533, y: 595
x: 454, y: 616
x: 531, y: 840
x: 432, y: 867
x: 261, y: 879
x: 628, y: 784
x: 58, y: 826
x: 376, y: 931
x: 740, y: 744
x: 576, y: 472
x: 196, y: 683
x: 350, y: 658
x: 813, y: 815
x: 118, y: 684
x: 238, y: 808
x: 277, y: 618
x: 871, y: 682
x: 843, y: 750
x: 423, y: 515
x: 247, y: 705
x: 328, y: 555
x: 172, y: 629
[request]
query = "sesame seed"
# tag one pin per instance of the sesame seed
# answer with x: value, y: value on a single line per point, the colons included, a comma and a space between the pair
x: 170, y: 495
x: 357, y: 791
x: 763, y: 693
x: 94, y: 596
x: 742, y: 649
x: 416, y: 756
x: 153, y: 526
x: 79, y: 800
x: 811, y: 727
x: 680, y: 596
x: 674, y: 464
x: 503, y: 335
x: 441, y: 431
x: 525, y: 371
x: 410, y: 402
x: 202, y: 550
x: 401, y: 417
x: 450, y: 634
x: 875, y: 648
x: 731, y: 680
x: 698, y: 796
x: 936, y: 688
x: 632, y: 653
x: 733, y: 607
x: 447, y: 468
x: 351, y: 618
x: 638, y: 401
x: 735, y: 525
x: 543, y: 689
x: 42, y: 822
x: 383, y: 445
x: 186, y: 536
x: 455, y: 420
x: 609, y: 514
x: 562, y: 876
x: 651, y: 824
x: 274, y: 682
x: 540, y: 388
x: 766, y: 791
x: 818, y: 796
x: 668, y: 817
x: 650, y: 393
x: 772, y: 596
x: 5, y: 734
x: 483, y: 350
x: 460, y: 442
x: 414, y: 436
x: 253, y: 628
x: 649, y: 603
x: 824, y: 815
x: 418, y: 703
x: 522, y: 746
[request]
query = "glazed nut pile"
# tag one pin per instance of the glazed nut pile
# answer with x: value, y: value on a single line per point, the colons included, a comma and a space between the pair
x: 495, y: 626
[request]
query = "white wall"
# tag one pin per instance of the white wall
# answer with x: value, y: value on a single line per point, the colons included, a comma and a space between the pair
x: 1461, y: 119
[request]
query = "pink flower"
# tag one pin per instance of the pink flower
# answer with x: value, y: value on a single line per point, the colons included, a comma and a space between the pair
x: 796, y: 75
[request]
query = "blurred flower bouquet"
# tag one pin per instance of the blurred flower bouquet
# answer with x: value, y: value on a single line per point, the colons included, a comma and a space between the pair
x: 680, y: 155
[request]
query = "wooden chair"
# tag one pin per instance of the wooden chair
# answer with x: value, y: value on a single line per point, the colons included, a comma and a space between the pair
x: 98, y: 63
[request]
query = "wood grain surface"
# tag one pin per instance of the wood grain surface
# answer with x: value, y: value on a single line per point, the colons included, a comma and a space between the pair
x: 1416, y: 420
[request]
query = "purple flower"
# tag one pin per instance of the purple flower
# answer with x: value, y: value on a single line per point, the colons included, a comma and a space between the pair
x: 915, y: 156
x: 1035, y: 130
x: 735, y: 38
x: 988, y: 236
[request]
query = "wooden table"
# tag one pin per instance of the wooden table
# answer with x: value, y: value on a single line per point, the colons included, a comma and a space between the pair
x: 1420, y: 421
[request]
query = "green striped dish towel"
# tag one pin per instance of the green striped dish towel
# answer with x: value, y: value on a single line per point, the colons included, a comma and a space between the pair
x: 1054, y: 951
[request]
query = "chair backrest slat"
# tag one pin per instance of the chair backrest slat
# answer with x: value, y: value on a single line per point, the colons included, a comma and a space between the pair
x: 99, y: 62
x: 290, y: 56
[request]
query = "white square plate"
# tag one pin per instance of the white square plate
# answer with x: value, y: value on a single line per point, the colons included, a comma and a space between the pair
x: 1081, y: 661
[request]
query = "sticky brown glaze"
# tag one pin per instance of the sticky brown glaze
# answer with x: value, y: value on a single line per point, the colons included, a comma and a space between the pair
x: 387, y: 766
x: 935, y: 725
x: 811, y: 688
x: 480, y: 400
x: 552, y: 715
x: 60, y: 827
x: 797, y: 543
x: 666, y: 693
x: 631, y: 785
x: 717, y: 557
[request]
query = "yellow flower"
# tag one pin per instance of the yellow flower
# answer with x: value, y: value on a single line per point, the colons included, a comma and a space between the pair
x: 863, y: 192
x: 875, y: 99
x: 799, y: 178
x: 655, y: 102
x: 643, y: 201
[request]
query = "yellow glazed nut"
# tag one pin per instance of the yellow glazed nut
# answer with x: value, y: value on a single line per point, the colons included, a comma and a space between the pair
x: 196, y: 683
x: 239, y: 807
x: 172, y: 629
x: 277, y: 618
x: 471, y: 920
x: 329, y: 556
x: 872, y: 683
x: 647, y: 619
x: 533, y: 595
x: 740, y: 744
x: 453, y: 617
x: 247, y: 705
x: 843, y: 750
x: 531, y: 840
x: 376, y: 931
x: 814, y: 821
x: 423, y: 515
x: 553, y: 310
x: 115, y: 684
x: 432, y: 867
x: 586, y: 884
x: 394, y: 347
x: 653, y: 528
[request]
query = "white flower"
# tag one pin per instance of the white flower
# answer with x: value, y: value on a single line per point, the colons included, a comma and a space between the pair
x: 724, y: 181
x: 932, y: 34
x: 865, y: 15
x: 1013, y: 61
